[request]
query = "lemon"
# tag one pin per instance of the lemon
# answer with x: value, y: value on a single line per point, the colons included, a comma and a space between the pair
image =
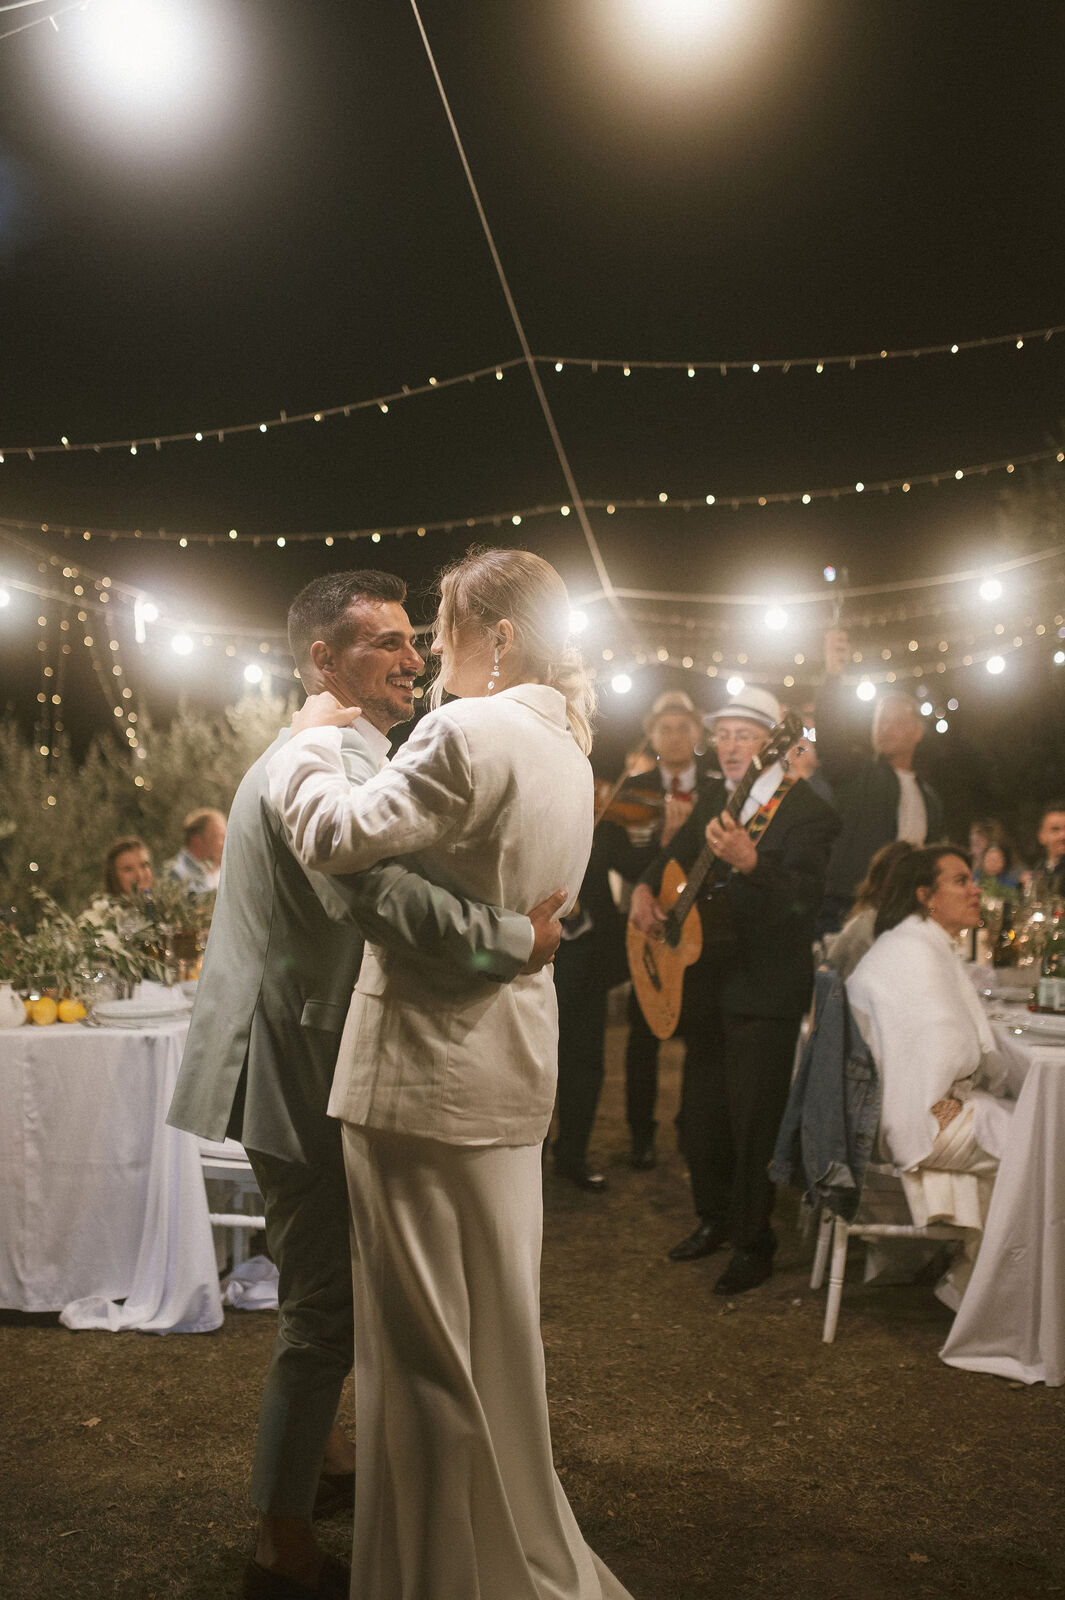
x: 29, y: 1009
x: 44, y: 1012
x: 71, y: 1010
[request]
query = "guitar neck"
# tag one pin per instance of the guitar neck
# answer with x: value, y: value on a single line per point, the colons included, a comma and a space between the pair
x: 706, y: 860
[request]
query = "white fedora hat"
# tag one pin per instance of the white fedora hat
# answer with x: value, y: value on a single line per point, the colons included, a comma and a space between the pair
x: 752, y: 704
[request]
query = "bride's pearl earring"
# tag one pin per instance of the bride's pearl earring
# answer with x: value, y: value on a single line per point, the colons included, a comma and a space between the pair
x: 494, y: 674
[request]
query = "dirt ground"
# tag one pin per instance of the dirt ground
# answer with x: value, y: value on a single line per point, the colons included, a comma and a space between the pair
x: 709, y: 1448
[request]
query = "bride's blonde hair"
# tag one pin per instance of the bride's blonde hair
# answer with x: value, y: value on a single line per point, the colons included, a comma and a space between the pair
x: 488, y: 585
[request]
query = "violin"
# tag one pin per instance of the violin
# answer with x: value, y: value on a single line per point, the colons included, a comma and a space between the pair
x: 636, y: 808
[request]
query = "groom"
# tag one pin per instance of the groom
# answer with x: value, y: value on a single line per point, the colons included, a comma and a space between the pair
x: 279, y: 969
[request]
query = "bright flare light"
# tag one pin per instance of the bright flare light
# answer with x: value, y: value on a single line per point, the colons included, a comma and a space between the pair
x: 253, y: 673
x: 621, y: 684
x: 181, y: 644
x: 927, y: 708
x: 776, y: 618
x: 735, y: 685
x: 1059, y: 657
x: 681, y: 24
x: 995, y: 665
x: 866, y: 691
x: 5, y: 597
x: 159, y: 71
x: 578, y: 621
x: 150, y: 611
x: 942, y: 725
x: 990, y: 589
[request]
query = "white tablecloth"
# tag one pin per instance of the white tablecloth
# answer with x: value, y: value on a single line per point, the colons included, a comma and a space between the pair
x: 101, y: 1202
x: 1012, y: 1318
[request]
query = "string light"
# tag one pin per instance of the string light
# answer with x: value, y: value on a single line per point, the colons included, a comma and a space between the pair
x: 317, y: 414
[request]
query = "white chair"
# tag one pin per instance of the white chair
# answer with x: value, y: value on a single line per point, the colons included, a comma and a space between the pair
x: 883, y: 1181
x: 227, y: 1163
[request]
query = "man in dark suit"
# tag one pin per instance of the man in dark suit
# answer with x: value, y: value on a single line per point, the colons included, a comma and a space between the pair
x: 281, y: 962
x: 875, y: 790
x: 673, y: 728
x: 745, y: 997
x: 589, y: 961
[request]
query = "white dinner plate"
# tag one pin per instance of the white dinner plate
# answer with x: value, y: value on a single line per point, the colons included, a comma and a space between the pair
x: 147, y: 1013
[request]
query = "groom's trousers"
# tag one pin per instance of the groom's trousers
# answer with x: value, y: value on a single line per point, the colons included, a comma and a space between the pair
x: 308, y: 1235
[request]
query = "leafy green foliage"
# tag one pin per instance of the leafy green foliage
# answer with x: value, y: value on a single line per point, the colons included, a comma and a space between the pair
x: 63, y: 816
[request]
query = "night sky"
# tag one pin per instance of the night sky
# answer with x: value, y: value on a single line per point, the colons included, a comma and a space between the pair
x: 826, y: 177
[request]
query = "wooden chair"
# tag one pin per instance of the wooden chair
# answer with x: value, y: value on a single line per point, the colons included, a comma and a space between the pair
x: 227, y: 1162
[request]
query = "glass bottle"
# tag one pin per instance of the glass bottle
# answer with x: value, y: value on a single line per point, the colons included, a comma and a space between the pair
x: 1004, y: 951
x: 1050, y: 990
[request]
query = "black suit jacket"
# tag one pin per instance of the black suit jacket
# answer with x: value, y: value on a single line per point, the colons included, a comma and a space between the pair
x: 766, y: 970
x: 865, y: 792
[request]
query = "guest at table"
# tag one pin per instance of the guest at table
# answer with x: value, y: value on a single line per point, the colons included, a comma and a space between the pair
x: 943, y: 1120
x: 845, y: 949
x: 128, y: 866
x: 876, y: 790
x: 198, y: 862
x: 1001, y: 870
x: 1048, y: 876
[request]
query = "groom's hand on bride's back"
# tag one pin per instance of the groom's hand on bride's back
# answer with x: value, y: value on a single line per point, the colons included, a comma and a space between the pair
x: 547, y: 930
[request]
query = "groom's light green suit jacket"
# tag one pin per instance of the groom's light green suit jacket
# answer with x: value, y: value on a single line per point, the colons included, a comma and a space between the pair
x: 281, y: 962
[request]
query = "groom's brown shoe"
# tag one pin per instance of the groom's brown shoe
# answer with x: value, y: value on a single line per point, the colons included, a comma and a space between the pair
x: 334, y: 1582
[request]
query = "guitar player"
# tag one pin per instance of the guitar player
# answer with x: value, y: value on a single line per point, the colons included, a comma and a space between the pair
x: 673, y: 728
x: 745, y: 996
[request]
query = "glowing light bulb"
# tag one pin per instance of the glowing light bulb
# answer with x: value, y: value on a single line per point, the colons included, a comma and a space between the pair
x: 578, y: 621
x: 621, y: 683
x: 735, y: 684
x: 776, y: 618
x: 5, y: 597
x: 253, y: 673
x: 942, y: 725
x: 866, y: 690
x: 995, y: 665
x: 150, y: 611
x: 829, y: 573
x: 1059, y: 658
x: 927, y: 708
x: 990, y: 589
x: 181, y: 644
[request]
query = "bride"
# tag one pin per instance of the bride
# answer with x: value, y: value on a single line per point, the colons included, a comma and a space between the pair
x: 446, y: 1092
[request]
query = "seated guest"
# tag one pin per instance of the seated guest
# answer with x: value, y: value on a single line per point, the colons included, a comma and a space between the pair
x: 1000, y: 869
x: 197, y: 864
x: 941, y: 1119
x: 845, y: 949
x: 128, y: 866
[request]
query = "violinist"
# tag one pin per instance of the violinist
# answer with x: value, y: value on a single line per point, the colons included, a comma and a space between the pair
x: 645, y: 810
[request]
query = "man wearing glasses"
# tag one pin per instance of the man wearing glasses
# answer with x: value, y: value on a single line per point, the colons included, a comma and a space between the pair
x: 745, y: 996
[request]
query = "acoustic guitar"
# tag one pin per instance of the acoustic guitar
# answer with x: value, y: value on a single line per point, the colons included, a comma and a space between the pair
x: 658, y: 965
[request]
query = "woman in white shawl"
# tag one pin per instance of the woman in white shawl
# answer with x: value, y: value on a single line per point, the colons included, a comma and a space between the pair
x: 942, y: 1118
x: 445, y: 1093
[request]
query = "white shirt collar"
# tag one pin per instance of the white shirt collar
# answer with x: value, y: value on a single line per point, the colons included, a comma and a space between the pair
x: 379, y: 743
x: 687, y: 778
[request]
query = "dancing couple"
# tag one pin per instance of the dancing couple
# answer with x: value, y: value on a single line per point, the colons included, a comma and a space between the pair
x: 453, y: 862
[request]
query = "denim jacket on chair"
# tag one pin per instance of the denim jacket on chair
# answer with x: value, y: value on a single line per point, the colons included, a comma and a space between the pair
x: 828, y: 1132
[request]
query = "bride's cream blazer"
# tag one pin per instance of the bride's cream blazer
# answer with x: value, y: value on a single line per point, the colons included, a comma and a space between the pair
x: 492, y: 799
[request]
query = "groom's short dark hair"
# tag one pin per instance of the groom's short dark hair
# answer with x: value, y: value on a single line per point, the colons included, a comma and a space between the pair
x: 321, y: 610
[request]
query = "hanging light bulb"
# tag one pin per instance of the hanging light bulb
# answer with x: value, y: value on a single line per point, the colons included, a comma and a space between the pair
x: 735, y: 685
x: 995, y: 665
x: 181, y: 644
x: 621, y: 683
x: 866, y: 690
x: 578, y: 621
x: 990, y: 589
x: 776, y: 618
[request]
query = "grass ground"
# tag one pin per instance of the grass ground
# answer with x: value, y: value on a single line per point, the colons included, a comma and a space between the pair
x: 708, y: 1448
